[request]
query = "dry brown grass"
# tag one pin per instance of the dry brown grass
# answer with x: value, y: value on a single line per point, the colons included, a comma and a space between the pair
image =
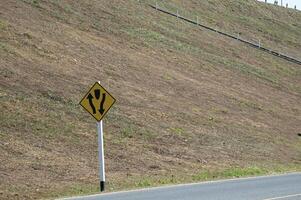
x: 187, y: 100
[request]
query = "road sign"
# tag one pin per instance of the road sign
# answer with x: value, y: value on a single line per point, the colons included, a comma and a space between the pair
x: 97, y: 101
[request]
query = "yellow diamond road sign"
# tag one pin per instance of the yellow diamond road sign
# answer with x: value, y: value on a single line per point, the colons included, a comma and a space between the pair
x: 97, y: 101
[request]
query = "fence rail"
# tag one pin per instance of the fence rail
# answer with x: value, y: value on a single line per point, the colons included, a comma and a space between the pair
x: 254, y: 45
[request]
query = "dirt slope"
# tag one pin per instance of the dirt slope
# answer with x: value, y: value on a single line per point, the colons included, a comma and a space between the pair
x: 188, y: 100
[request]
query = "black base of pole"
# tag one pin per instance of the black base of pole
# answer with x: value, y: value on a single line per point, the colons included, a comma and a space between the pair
x: 102, y: 186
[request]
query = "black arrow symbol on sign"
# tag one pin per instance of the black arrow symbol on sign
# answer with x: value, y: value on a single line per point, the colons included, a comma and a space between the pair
x: 90, y: 97
x: 101, y: 109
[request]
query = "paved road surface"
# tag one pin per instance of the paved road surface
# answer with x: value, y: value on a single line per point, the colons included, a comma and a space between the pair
x: 283, y: 187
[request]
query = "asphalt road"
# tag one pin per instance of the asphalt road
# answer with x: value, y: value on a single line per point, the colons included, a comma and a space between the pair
x: 282, y: 187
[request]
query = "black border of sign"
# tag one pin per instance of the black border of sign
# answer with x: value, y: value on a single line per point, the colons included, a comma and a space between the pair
x: 89, y: 92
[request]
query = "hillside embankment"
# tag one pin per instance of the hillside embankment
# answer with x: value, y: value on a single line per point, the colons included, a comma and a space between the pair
x: 191, y: 105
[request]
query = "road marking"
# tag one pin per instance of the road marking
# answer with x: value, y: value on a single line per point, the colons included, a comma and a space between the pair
x: 285, y: 197
x: 181, y: 185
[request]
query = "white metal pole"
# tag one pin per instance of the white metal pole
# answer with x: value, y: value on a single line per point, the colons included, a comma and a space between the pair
x: 101, y: 156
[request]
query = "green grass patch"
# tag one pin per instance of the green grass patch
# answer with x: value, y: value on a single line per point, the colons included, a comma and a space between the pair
x: 230, y: 173
x: 144, y: 183
x: 252, y: 70
x: 207, y: 175
x: 128, y: 132
x: 147, y: 134
x: 147, y: 36
x: 155, y: 39
x: 35, y: 3
x: 177, y: 130
x: 249, y: 104
x: 5, y: 48
x: 3, y: 25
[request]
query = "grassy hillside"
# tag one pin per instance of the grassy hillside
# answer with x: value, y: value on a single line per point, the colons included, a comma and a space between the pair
x: 191, y: 105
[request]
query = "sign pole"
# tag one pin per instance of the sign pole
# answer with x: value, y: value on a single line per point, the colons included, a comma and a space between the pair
x: 101, y: 156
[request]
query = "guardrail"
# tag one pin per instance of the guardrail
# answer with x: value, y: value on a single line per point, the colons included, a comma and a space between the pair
x: 254, y: 45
